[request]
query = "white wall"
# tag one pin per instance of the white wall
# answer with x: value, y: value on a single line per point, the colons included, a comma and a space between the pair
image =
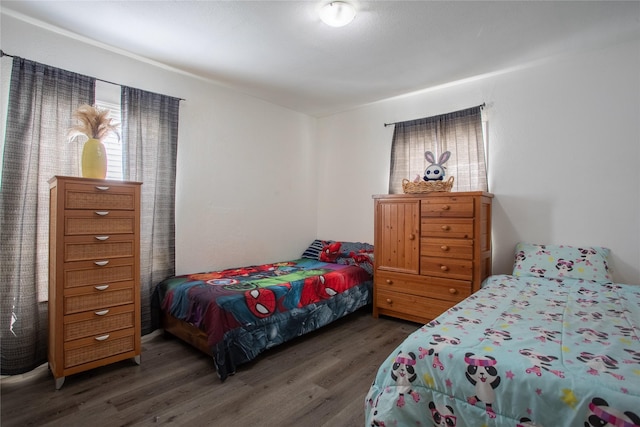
x: 564, y: 153
x: 246, y: 181
x: 564, y: 139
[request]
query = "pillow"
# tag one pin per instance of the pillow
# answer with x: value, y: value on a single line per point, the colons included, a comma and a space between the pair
x: 335, y: 250
x: 562, y: 262
x: 356, y: 247
x: 360, y: 254
x: 314, y: 249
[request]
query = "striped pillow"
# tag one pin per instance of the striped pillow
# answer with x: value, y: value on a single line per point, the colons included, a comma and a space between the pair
x: 314, y: 249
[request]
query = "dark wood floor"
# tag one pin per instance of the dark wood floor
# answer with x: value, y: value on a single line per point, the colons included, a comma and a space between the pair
x: 317, y: 380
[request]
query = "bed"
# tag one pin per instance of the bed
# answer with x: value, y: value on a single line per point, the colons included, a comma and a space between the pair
x: 555, y: 343
x: 236, y: 314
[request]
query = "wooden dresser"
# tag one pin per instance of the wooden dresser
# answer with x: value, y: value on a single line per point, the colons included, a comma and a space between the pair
x: 94, y: 274
x: 430, y: 252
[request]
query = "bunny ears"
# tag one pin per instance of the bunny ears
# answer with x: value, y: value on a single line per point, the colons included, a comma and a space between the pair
x: 431, y: 159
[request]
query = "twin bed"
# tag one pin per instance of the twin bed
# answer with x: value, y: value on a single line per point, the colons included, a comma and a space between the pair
x: 236, y: 314
x: 556, y: 343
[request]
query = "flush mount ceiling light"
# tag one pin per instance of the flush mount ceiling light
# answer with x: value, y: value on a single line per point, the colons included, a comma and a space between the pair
x: 337, y: 13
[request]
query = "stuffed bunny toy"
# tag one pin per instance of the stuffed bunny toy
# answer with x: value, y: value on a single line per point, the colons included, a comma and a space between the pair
x: 435, y: 171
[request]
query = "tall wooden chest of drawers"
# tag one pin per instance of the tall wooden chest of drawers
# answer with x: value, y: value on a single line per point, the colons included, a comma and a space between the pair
x: 430, y: 251
x: 94, y: 274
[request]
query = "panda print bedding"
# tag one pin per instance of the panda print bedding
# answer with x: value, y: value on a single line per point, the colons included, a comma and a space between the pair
x: 525, y: 350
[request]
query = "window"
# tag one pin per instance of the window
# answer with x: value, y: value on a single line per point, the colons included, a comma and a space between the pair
x: 460, y: 133
x: 112, y: 143
x: 108, y: 97
x: 24, y: 197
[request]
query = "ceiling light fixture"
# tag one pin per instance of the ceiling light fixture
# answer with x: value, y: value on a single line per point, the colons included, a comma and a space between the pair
x: 337, y: 13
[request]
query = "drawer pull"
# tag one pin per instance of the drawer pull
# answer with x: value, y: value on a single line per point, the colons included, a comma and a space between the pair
x: 412, y: 236
x: 445, y: 248
x: 444, y: 268
x: 453, y: 291
x: 446, y: 207
x: 101, y: 287
x: 102, y: 238
x: 101, y: 188
x: 445, y: 228
x: 101, y: 263
x: 102, y: 213
x: 101, y: 313
x: 389, y: 282
x: 102, y: 337
x: 389, y: 301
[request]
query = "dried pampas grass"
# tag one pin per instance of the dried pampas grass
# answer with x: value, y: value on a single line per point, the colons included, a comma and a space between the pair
x: 93, y: 123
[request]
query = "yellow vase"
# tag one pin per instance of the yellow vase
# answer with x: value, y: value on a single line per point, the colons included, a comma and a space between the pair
x: 94, y: 159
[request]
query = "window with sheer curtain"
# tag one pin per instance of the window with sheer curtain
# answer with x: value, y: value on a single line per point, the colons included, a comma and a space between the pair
x: 460, y: 133
x: 112, y: 143
x: 41, y: 103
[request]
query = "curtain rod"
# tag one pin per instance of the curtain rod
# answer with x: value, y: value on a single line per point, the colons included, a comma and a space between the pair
x: 395, y: 123
x: 3, y: 53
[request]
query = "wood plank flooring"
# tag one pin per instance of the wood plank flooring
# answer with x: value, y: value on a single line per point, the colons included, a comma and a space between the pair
x: 320, y: 379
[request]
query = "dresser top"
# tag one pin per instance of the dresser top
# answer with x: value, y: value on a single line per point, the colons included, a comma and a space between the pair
x: 432, y: 194
x: 82, y: 180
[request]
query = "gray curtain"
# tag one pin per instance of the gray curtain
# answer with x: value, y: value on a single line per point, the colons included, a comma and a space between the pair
x: 41, y: 103
x: 459, y: 132
x: 150, y: 137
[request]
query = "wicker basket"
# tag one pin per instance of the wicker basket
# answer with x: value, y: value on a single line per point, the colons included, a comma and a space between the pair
x: 426, y: 186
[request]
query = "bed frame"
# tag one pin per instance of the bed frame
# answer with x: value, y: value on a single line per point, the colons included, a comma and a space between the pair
x: 186, y: 332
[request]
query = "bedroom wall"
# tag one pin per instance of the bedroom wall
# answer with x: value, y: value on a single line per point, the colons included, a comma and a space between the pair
x: 551, y: 125
x: 246, y: 172
x: 564, y: 147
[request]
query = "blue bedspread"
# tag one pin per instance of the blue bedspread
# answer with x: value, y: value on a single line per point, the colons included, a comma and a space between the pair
x: 529, y: 351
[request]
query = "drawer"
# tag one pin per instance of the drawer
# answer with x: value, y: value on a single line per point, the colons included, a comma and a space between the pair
x: 453, y: 228
x: 96, y: 298
x: 98, y: 322
x: 447, y: 248
x: 86, y: 248
x: 431, y: 287
x: 413, y: 307
x: 98, y: 347
x: 461, y: 207
x: 447, y: 267
x: 99, y: 222
x: 102, y: 197
x: 85, y: 273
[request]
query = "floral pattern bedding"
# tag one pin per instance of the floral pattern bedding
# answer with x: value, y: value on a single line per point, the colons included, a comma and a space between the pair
x: 247, y: 310
x: 526, y: 350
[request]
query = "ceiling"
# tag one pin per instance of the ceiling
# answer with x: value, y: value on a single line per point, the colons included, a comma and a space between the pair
x: 281, y: 52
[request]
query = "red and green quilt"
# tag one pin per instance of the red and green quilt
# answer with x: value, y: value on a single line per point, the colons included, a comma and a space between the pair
x: 246, y: 310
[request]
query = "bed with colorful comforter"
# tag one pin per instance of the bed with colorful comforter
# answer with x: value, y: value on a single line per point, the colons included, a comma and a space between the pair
x: 236, y: 314
x: 554, y: 344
